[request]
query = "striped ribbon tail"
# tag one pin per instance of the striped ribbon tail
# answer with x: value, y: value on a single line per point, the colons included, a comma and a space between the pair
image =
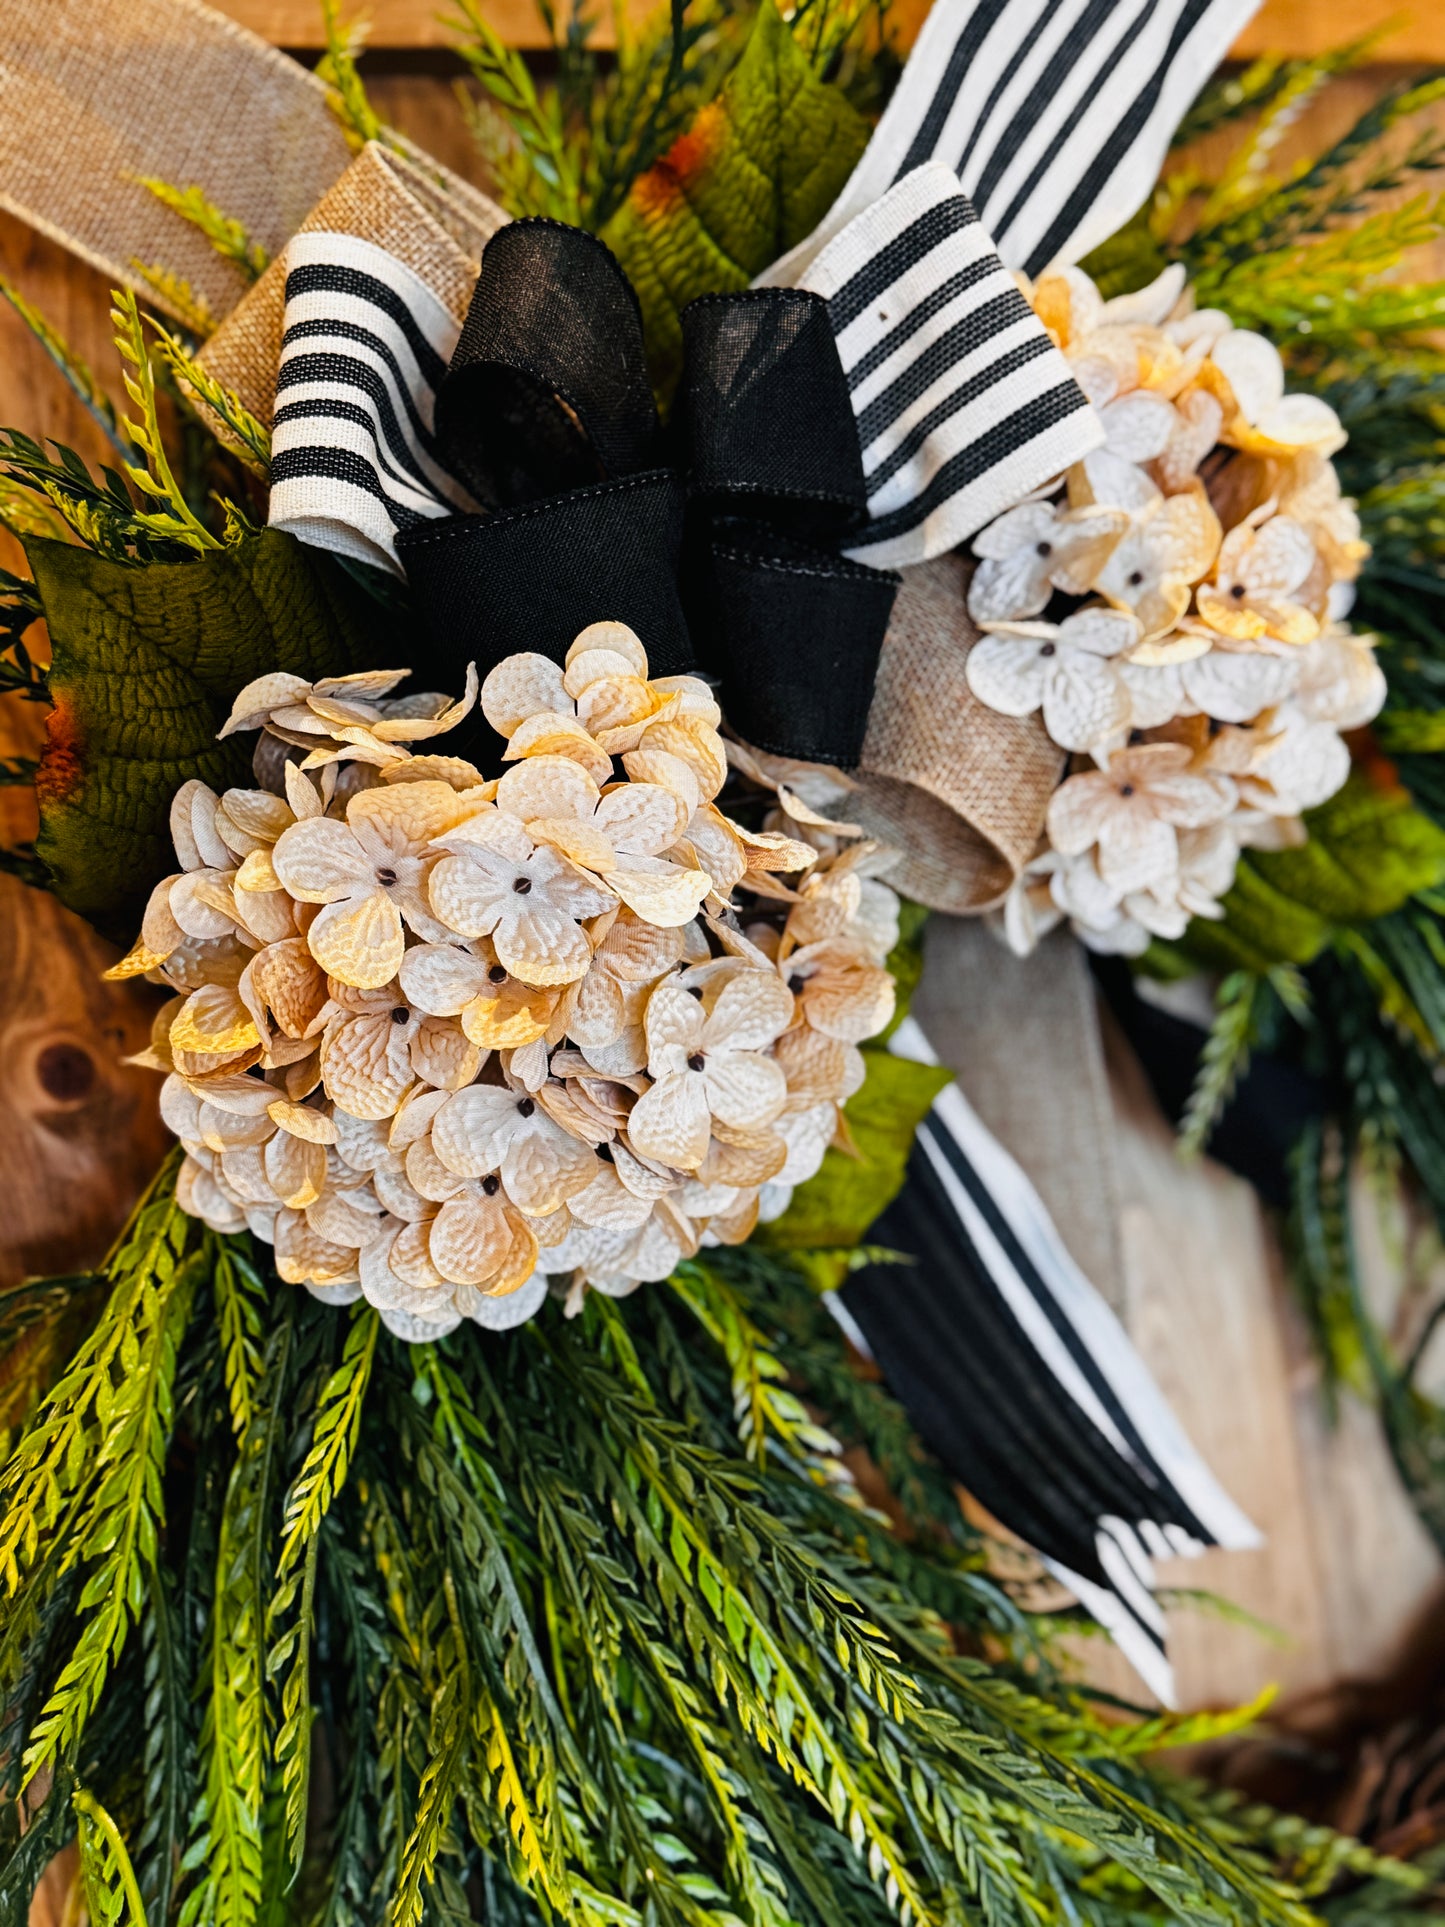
x: 365, y: 347
x: 963, y: 404
x: 1024, y: 1384
x: 1053, y: 115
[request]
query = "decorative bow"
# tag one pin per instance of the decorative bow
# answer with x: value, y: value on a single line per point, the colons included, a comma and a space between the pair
x: 724, y: 557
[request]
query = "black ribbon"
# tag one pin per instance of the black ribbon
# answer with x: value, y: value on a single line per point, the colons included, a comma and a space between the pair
x: 719, y: 544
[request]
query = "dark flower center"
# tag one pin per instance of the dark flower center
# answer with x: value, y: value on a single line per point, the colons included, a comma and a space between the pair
x: 1044, y: 548
x: 526, y: 1107
x: 693, y: 991
x: 497, y: 974
x: 1238, y: 592
x: 400, y: 1014
x: 1136, y: 578
x: 696, y: 1061
x: 491, y: 1184
x: 1126, y: 789
x: 1049, y: 649
x: 521, y: 885
x: 386, y: 878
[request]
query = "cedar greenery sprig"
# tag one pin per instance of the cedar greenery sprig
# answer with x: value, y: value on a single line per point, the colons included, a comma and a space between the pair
x: 226, y: 235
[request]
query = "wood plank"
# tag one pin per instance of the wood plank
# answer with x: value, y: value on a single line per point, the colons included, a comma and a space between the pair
x: 1280, y: 26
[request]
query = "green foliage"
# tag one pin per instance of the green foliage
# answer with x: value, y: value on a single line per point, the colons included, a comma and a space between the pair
x: 112, y: 1897
x: 227, y: 236
x: 605, y: 1634
x: 78, y: 376
x: 337, y: 67
x: 1225, y: 1056
x: 174, y: 521
x: 146, y: 662
x: 754, y: 173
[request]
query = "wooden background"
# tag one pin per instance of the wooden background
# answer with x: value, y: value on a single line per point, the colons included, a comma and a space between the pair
x: 1345, y: 1572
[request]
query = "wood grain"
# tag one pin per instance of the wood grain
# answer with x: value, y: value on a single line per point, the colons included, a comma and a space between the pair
x: 1280, y: 26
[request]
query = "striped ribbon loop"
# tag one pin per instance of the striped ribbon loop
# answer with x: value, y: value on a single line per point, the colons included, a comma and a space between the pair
x: 963, y: 404
x: 353, y: 449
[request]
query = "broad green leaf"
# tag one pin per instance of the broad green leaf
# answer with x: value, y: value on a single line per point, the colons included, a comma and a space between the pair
x: 146, y: 662
x: 754, y: 174
x: 1369, y: 851
x: 836, y: 1207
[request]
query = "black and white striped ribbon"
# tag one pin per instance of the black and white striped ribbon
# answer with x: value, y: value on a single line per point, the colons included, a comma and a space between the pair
x: 364, y: 349
x: 964, y: 406
x: 1025, y: 1384
x: 1054, y: 116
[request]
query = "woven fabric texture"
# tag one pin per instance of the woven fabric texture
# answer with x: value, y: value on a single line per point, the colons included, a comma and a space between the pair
x: 95, y: 94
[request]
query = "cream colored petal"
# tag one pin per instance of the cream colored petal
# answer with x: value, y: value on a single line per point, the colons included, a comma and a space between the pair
x: 695, y: 744
x: 745, y: 1160
x: 851, y: 1002
x: 296, y: 1169
x: 586, y: 666
x: 412, y: 1262
x: 819, y: 1069
x: 258, y: 698
x: 1006, y: 672
x: 522, y: 686
x: 289, y: 983
x: 320, y: 860
x: 607, y: 1203
x: 1279, y: 558
x: 1138, y: 426
x: 441, y: 978
x: 213, y: 1021
x: 403, y: 815
x: 752, y: 1010
x: 667, y: 771
x: 540, y: 945
x: 1077, y: 812
x: 202, y: 904
x: 669, y: 899
x: 548, y: 786
x: 807, y: 1135
x: 614, y: 702
x: 508, y: 1021
x: 580, y: 843
x: 360, y: 941
x: 642, y: 819
x: 1136, y: 849
x: 366, y: 1066
x: 302, y: 1120
x: 744, y: 1089
x: 1189, y: 800
x: 543, y: 1168
x: 670, y: 1123
x: 1252, y: 368
x: 428, y: 1176
x: 614, y: 636
x: 443, y: 1055
x: 549, y: 735
x: 353, y: 1219
x: 1085, y: 701
x: 673, y: 1024
x: 1233, y: 686
x: 470, y: 1239
x: 471, y: 1130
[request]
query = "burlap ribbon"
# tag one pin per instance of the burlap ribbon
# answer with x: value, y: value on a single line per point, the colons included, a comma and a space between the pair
x: 960, y: 790
x: 95, y: 94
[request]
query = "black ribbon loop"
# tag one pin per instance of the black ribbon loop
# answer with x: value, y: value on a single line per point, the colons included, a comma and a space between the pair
x: 547, y: 416
x: 791, y: 628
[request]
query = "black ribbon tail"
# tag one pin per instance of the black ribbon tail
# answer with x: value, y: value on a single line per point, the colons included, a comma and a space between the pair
x: 791, y: 629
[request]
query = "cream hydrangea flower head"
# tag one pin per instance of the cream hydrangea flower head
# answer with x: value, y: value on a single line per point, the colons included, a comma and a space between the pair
x: 1235, y: 562
x: 450, y: 1043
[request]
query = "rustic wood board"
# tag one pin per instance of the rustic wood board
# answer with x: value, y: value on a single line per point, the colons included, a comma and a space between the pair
x: 1293, y: 26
